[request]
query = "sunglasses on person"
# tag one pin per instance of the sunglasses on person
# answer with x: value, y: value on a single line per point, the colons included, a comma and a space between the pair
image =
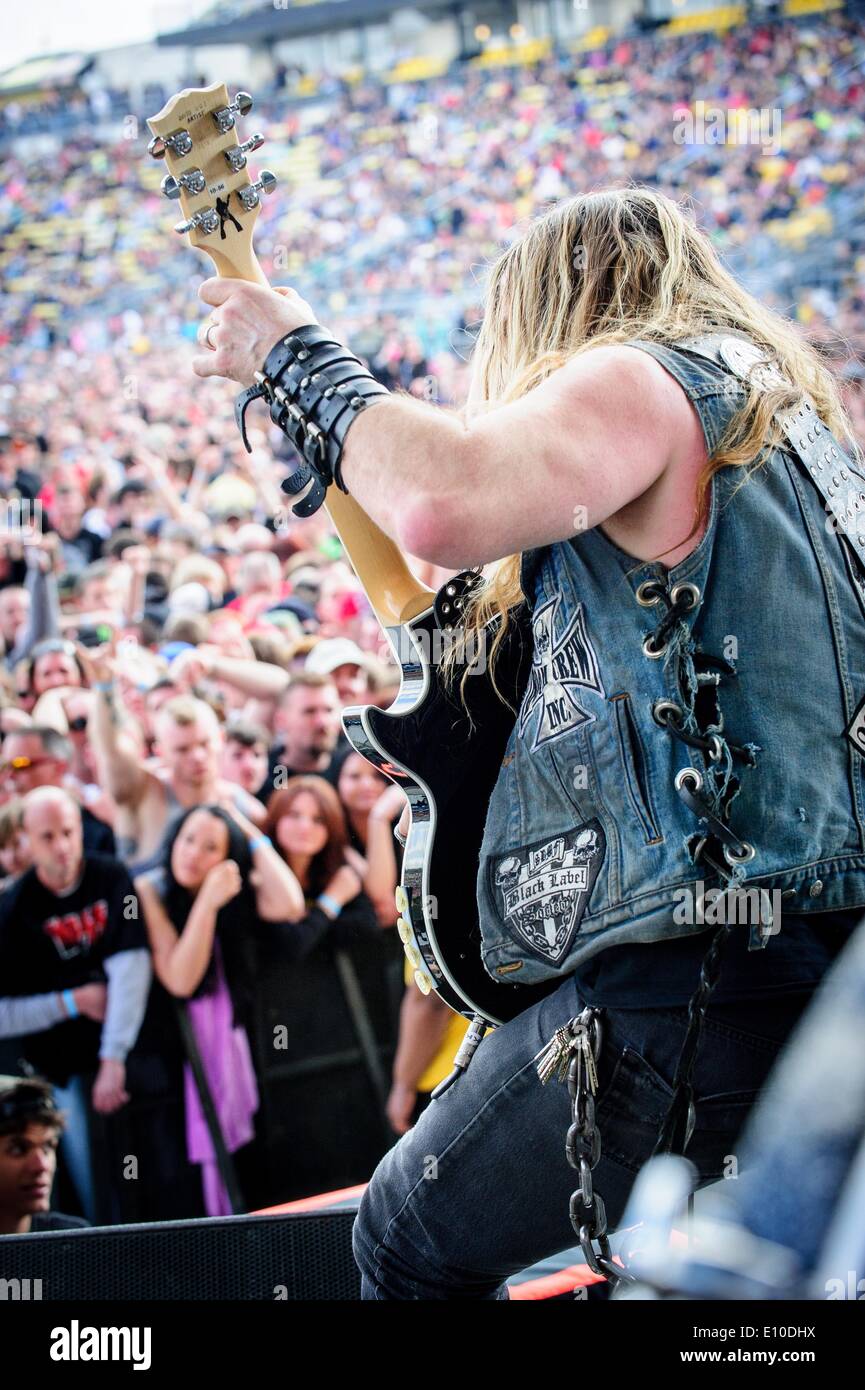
x: 21, y: 764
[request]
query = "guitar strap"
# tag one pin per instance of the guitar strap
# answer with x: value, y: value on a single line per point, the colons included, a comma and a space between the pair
x: 829, y: 467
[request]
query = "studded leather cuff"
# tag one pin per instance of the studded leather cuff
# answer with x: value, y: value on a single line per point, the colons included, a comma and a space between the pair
x: 315, y: 388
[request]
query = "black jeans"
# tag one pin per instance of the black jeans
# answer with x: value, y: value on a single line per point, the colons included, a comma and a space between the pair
x: 479, y: 1188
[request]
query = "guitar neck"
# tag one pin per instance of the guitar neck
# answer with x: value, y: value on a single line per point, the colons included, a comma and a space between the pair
x: 394, y: 593
x: 195, y: 133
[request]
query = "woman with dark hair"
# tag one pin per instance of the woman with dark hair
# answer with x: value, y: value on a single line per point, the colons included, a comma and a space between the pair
x: 309, y: 829
x: 372, y: 805
x: 220, y: 885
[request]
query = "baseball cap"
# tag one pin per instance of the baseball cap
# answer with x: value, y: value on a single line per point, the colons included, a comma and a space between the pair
x: 332, y: 652
x: 189, y: 598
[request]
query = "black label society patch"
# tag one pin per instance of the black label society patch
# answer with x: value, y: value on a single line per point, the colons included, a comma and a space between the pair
x: 542, y: 890
x: 855, y: 730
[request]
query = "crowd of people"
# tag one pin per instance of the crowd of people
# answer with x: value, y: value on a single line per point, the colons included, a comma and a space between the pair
x: 176, y: 647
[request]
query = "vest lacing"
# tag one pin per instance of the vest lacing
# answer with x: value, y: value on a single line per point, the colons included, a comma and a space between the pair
x: 697, y: 721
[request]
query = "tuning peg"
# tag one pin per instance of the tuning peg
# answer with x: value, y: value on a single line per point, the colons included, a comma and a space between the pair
x: 193, y: 181
x: 206, y: 220
x: 236, y: 155
x: 226, y: 115
x: 249, y: 195
x: 180, y: 142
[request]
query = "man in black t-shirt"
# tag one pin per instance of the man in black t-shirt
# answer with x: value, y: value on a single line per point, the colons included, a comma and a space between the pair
x: 309, y: 733
x: 73, y: 920
x: 68, y: 921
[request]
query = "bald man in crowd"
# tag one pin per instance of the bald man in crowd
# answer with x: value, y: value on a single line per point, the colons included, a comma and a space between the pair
x: 69, y: 922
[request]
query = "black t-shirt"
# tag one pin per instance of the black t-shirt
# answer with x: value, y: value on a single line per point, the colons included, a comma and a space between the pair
x: 97, y: 834
x: 659, y: 974
x: 276, y: 759
x: 50, y: 942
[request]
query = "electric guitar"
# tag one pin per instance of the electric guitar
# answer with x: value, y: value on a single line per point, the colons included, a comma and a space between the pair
x: 445, y: 762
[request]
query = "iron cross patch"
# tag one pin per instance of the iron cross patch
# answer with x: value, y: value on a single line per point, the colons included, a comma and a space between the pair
x: 543, y: 889
x: 559, y: 667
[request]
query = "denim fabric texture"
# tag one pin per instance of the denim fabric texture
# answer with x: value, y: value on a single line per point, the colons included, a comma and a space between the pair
x: 587, y: 843
x: 479, y: 1188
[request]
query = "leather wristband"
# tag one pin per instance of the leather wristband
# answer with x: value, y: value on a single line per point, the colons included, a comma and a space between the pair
x: 315, y: 388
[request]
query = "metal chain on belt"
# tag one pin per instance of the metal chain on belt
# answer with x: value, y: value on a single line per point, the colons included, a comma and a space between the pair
x: 572, y: 1055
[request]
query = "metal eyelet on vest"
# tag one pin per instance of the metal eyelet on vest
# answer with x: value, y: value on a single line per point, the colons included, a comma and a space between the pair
x: 662, y: 707
x: 685, y: 587
x: 688, y: 774
x: 716, y: 748
x: 649, y: 650
x: 642, y: 595
x: 734, y: 857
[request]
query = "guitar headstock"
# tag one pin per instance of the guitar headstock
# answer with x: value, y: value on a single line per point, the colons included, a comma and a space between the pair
x: 196, y: 134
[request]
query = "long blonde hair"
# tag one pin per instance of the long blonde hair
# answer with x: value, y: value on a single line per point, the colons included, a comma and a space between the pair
x: 602, y: 268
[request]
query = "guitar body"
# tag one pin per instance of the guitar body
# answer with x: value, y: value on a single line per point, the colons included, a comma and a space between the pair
x: 447, y: 765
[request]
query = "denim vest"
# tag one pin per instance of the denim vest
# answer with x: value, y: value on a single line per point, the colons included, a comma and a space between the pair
x: 588, y: 843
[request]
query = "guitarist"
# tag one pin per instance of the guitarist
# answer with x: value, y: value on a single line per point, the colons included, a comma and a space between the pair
x: 690, y: 717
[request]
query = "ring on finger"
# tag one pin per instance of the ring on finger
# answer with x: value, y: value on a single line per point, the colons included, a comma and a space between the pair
x: 210, y: 327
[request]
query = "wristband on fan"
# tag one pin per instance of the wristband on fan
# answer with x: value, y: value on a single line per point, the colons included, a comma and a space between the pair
x: 69, y: 1002
x: 329, y: 904
x: 315, y: 389
x: 258, y: 842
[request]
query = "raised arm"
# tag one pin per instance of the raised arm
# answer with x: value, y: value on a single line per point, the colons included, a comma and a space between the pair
x: 592, y: 437
x: 44, y: 618
x: 261, y: 680
x: 596, y: 434
x: 119, y: 762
